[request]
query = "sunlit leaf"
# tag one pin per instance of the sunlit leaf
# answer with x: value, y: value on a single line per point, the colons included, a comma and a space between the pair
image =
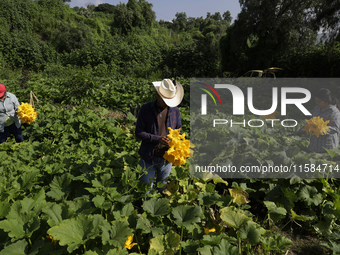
x: 166, y: 244
x: 233, y: 218
x: 239, y: 196
x: 157, y: 207
x: 298, y: 217
x: 186, y: 215
x: 17, y: 248
x: 310, y: 195
x: 76, y: 231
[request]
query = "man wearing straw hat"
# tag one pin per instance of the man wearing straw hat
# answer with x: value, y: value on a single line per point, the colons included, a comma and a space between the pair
x: 9, y: 121
x: 152, y: 125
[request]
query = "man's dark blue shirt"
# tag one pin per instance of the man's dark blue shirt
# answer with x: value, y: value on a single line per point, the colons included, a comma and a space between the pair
x: 147, y: 127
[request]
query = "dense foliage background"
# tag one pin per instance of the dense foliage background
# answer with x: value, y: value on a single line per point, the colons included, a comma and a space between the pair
x: 125, y: 40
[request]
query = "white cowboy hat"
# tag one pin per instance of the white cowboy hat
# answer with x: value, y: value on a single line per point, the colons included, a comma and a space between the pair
x: 171, y: 94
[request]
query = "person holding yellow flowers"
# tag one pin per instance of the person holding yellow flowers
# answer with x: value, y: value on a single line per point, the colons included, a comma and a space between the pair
x: 9, y: 121
x: 325, y: 124
x: 152, y: 127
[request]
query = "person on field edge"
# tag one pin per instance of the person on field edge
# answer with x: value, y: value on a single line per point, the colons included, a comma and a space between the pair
x: 327, y: 108
x: 9, y: 121
x: 153, y: 121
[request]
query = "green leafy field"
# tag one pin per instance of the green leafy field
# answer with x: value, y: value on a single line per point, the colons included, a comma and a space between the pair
x: 72, y: 187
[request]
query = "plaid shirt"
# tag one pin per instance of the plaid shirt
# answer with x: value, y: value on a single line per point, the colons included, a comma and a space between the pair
x: 331, y: 139
x: 147, y: 127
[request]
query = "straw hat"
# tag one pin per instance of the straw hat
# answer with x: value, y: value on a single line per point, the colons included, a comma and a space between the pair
x: 172, y: 94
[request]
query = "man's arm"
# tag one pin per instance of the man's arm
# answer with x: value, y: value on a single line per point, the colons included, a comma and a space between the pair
x: 178, y: 120
x: 141, y: 127
x: 15, y: 102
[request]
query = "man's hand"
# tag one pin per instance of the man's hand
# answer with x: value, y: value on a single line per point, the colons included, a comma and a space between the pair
x: 164, y: 141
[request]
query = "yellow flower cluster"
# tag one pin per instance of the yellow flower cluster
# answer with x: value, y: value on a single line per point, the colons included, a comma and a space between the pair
x: 316, y: 126
x: 179, y: 148
x: 26, y: 113
x: 129, y: 244
x: 271, y: 116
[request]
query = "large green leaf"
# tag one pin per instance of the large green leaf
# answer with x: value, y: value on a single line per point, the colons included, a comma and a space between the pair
x: 225, y: 248
x: 276, y: 243
x: 329, y: 211
x: 211, y: 240
x: 208, y: 199
x: 54, y: 214
x: 188, y: 197
x: 14, y: 227
x: 90, y: 253
x: 190, y: 246
x: 60, y: 187
x: 275, y: 213
x: 4, y: 209
x: 324, y: 227
x: 310, y: 195
x: 233, y: 218
x: 157, y: 207
x: 333, y: 246
x: 124, y: 213
x: 117, y: 234
x: 27, y: 179
x: 206, y: 250
x: 250, y: 232
x: 17, y: 248
x: 23, y: 220
x: 272, y: 208
x: 165, y: 244
x: 77, y: 231
x: 144, y: 224
x: 186, y: 215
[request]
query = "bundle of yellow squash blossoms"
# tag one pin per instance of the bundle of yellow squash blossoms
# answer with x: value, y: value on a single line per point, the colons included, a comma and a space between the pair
x: 26, y: 113
x: 316, y: 126
x: 179, y: 148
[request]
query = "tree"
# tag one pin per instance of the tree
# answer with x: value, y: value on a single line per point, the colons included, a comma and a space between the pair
x: 105, y: 8
x: 134, y: 14
x: 180, y: 22
x: 227, y: 16
x: 328, y: 18
x: 264, y: 31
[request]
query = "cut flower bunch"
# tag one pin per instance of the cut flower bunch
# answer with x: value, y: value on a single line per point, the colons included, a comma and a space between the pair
x: 179, y: 148
x: 26, y: 113
x: 316, y: 126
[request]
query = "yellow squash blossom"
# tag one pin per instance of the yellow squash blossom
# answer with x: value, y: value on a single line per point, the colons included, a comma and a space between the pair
x: 316, y: 126
x: 52, y: 239
x: 26, y: 113
x: 179, y: 148
x: 129, y: 244
x: 207, y: 230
